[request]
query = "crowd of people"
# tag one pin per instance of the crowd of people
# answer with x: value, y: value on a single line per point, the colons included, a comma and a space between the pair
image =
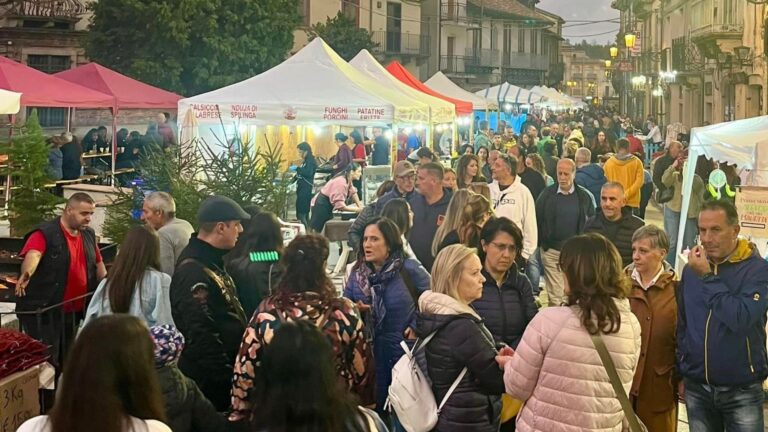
x: 530, y: 295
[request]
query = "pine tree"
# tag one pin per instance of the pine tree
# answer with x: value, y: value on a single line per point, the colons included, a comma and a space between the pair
x: 31, y: 202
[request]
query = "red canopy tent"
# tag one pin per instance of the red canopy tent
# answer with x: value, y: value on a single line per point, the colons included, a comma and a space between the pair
x: 42, y: 90
x: 398, y: 71
x: 128, y: 92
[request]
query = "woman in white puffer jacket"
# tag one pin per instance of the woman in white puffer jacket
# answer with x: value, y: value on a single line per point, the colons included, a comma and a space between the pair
x: 556, y: 369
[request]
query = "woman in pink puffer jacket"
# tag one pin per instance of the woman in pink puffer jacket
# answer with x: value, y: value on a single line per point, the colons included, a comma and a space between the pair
x: 556, y: 369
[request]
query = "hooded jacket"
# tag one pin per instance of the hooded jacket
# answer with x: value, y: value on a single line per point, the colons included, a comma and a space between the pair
x: 461, y: 341
x: 557, y: 371
x: 721, y: 321
x: 256, y: 279
x: 629, y: 172
x: 506, y: 310
x: 619, y: 233
x: 517, y: 204
x: 592, y: 178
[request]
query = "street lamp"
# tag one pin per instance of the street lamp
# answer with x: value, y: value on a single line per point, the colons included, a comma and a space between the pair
x: 614, y: 51
x: 629, y: 40
x: 607, y: 64
x: 743, y: 54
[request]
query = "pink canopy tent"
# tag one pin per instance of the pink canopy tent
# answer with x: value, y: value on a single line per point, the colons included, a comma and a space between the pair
x: 128, y: 92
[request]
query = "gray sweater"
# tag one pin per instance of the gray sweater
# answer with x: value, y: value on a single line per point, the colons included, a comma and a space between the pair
x: 174, y: 237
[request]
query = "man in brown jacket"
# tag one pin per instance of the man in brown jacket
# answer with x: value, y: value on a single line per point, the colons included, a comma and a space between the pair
x: 653, y: 301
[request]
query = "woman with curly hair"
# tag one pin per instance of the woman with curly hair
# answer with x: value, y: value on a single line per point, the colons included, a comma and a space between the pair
x: 556, y: 368
x: 305, y: 293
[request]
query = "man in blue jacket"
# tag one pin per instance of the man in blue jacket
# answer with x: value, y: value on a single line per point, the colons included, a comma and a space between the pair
x: 721, y: 326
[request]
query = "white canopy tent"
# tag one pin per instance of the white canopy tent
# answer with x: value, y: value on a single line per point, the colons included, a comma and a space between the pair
x: 441, y: 111
x: 508, y: 93
x: 10, y: 102
x: 313, y: 87
x: 743, y: 143
x: 442, y: 84
x: 554, y: 97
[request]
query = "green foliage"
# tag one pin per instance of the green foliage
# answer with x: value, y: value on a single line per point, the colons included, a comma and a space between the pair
x: 343, y: 35
x: 31, y: 202
x: 191, y: 46
x: 594, y: 50
x: 247, y: 175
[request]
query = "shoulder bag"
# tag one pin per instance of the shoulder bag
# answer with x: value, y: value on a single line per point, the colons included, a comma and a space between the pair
x: 635, y: 425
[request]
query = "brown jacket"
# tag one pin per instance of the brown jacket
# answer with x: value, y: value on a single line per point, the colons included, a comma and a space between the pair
x: 654, y: 387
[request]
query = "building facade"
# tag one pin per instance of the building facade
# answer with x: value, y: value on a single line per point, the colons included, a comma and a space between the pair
x: 395, y: 25
x: 584, y: 77
x: 486, y: 42
x: 694, y: 62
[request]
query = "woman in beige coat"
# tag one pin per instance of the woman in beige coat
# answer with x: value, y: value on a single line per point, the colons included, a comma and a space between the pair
x: 556, y: 370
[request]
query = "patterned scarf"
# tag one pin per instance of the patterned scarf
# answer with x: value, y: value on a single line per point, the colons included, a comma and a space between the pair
x: 169, y: 343
x: 373, y: 284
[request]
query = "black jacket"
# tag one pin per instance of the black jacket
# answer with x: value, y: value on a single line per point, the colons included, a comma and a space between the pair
x: 185, y: 406
x: 546, y: 209
x: 619, y: 233
x: 255, y: 281
x: 659, y: 166
x: 462, y: 341
x: 209, y: 315
x: 534, y: 181
x: 48, y: 283
x: 506, y: 310
x: 426, y: 219
x: 370, y: 211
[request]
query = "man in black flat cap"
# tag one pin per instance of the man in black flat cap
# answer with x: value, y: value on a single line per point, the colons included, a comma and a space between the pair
x: 204, y: 300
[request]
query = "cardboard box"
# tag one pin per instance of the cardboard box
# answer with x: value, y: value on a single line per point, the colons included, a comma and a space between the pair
x: 19, y: 398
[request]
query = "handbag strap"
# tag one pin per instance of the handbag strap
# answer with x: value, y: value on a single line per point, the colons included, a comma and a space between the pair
x: 450, y: 390
x: 618, y: 388
x: 410, y: 285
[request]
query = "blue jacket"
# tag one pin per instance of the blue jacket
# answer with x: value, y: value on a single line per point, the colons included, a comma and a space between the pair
x: 506, y: 310
x: 393, y: 312
x: 721, y: 321
x: 592, y: 178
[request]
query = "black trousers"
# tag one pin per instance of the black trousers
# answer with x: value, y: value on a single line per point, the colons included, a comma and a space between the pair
x: 55, y: 328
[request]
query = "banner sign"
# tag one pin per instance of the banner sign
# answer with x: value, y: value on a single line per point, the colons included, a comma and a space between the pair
x: 752, y: 204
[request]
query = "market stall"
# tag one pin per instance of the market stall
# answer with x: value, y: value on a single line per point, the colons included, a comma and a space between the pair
x: 443, y: 85
x: 506, y: 93
x: 10, y: 102
x: 743, y: 143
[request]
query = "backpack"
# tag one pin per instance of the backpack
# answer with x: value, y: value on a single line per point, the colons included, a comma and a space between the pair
x: 410, y: 394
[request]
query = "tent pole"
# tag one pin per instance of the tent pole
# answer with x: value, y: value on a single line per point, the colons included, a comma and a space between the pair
x: 69, y: 118
x: 113, y: 146
x: 393, y: 151
x: 8, y: 178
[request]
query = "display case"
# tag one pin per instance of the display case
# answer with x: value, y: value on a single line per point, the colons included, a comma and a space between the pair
x: 373, y: 177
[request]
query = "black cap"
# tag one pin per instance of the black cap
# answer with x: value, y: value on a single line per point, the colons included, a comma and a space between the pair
x: 220, y: 209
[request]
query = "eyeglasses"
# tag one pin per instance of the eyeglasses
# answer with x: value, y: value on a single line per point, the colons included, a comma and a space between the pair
x: 502, y: 247
x: 407, y: 177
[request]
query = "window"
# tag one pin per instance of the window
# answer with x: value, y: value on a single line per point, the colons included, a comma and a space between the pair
x: 50, y: 117
x: 49, y: 63
x: 351, y: 8
x: 303, y: 9
x: 534, y: 42
x: 521, y: 40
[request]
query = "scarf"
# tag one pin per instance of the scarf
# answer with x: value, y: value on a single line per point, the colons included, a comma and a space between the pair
x: 169, y: 343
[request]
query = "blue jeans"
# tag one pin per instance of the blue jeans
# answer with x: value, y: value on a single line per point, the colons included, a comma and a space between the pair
x: 722, y: 408
x: 672, y: 226
x: 533, y: 271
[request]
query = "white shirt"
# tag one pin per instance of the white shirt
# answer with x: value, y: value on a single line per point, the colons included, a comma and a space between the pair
x: 655, y: 135
x: 637, y: 278
x: 516, y: 204
x: 41, y: 424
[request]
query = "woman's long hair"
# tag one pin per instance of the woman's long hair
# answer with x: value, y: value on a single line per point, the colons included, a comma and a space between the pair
x: 391, y: 234
x: 262, y: 234
x: 475, y: 210
x: 109, y: 376
x: 139, y: 251
x: 592, y: 266
x: 461, y: 170
x: 303, y: 263
x: 397, y: 211
x: 538, y: 164
x: 309, y: 159
x: 452, y: 217
x: 297, y: 388
x: 353, y: 166
x: 606, y: 147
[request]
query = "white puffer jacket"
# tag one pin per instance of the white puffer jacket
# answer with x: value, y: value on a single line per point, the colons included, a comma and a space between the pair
x: 558, y: 373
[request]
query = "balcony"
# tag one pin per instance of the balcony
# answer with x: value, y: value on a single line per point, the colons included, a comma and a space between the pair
x: 487, y: 58
x: 525, y: 61
x: 686, y: 57
x: 713, y: 20
x: 52, y: 9
x: 401, y: 44
x: 591, y: 76
x: 452, y: 12
x: 577, y: 76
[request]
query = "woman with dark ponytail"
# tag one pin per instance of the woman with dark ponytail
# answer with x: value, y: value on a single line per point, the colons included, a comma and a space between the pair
x: 305, y: 182
x: 305, y: 293
x: 334, y: 195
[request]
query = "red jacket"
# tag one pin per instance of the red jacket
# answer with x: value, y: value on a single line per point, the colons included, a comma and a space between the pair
x: 635, y: 145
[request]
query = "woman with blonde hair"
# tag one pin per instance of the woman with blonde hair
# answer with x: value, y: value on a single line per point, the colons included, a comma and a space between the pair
x: 452, y: 218
x: 474, y: 215
x: 556, y: 369
x: 535, y: 162
x: 460, y: 346
x: 480, y: 188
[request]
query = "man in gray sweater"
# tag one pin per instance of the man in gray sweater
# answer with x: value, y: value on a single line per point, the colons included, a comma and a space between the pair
x: 159, y: 212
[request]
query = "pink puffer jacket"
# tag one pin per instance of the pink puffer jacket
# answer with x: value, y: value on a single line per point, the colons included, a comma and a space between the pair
x: 558, y: 373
